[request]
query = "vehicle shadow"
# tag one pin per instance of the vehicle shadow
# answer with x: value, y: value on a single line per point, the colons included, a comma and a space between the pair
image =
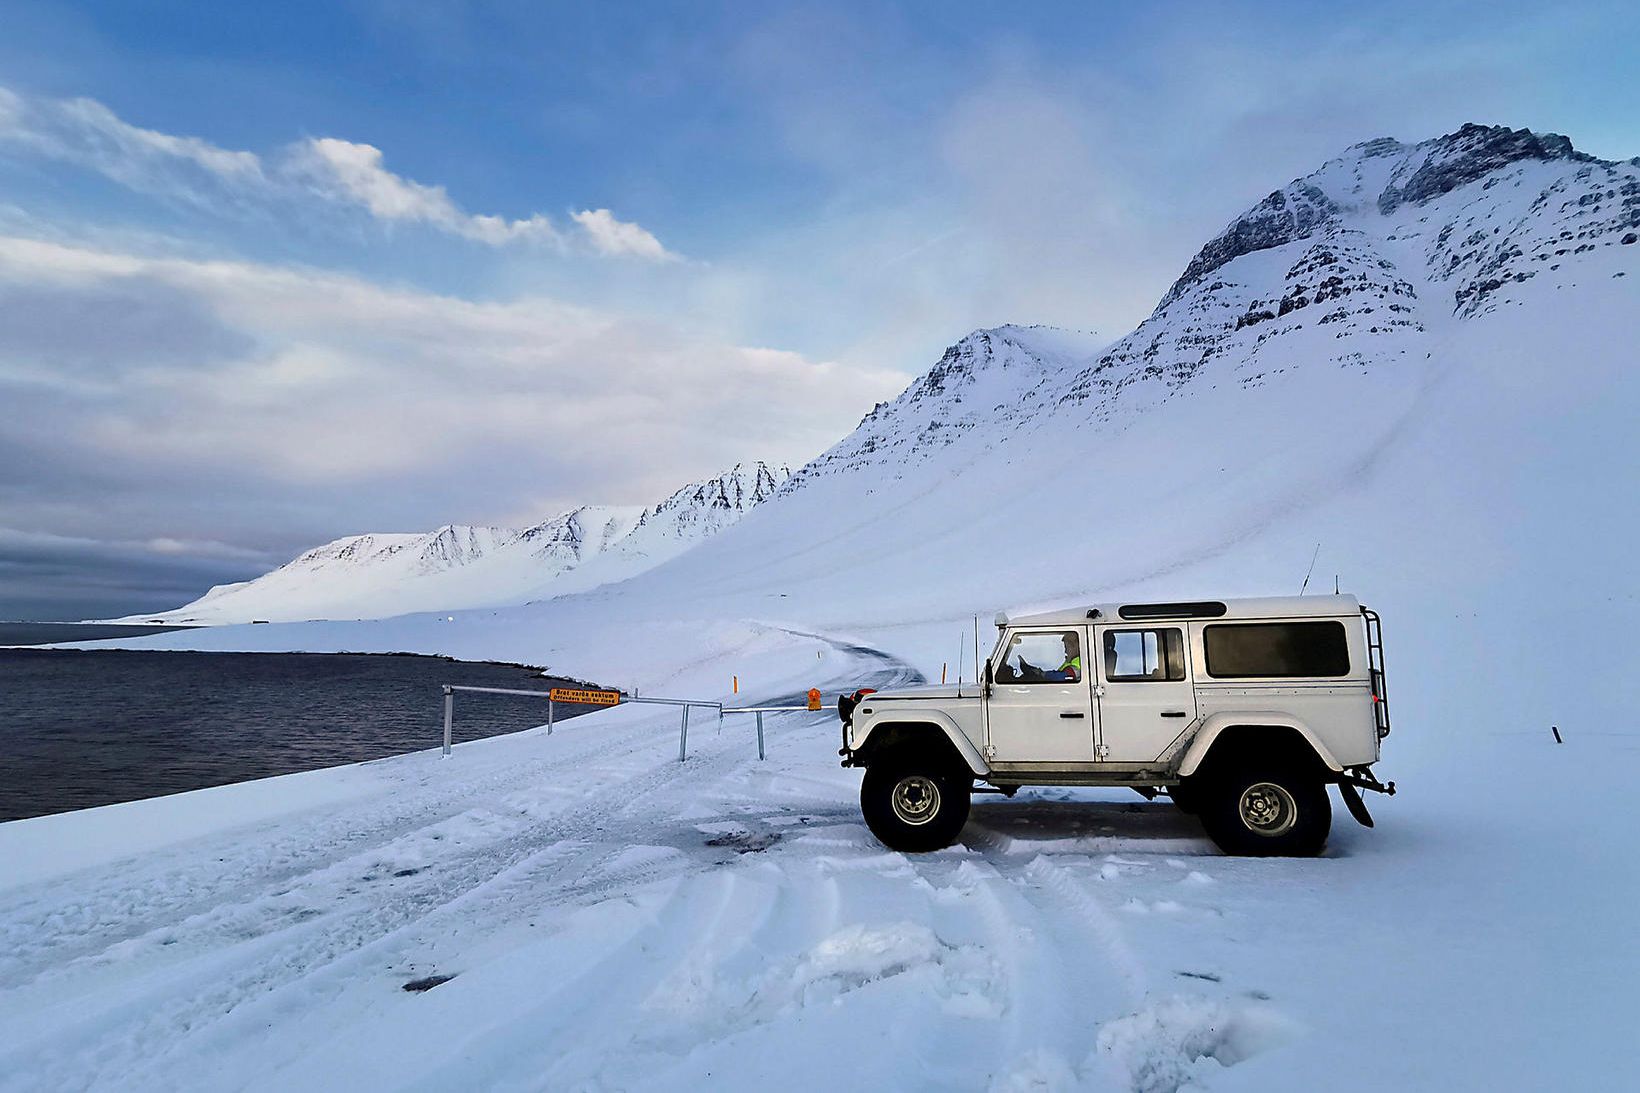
x: 1044, y: 820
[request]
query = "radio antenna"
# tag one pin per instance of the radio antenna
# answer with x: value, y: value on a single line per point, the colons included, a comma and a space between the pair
x: 1311, y: 570
x: 959, y: 661
x: 976, y: 648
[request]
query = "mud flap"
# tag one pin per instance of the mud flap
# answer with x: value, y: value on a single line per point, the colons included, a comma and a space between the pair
x: 1353, y: 802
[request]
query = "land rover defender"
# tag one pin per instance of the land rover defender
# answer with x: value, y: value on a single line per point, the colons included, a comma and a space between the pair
x: 1240, y: 711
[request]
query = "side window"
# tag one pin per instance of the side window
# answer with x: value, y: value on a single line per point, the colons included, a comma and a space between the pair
x: 1271, y: 650
x: 1053, y: 656
x: 1144, y: 656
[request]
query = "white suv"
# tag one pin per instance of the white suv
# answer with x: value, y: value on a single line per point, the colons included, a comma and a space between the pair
x: 1242, y: 711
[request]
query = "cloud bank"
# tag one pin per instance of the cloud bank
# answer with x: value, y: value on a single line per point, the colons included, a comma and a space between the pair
x: 171, y: 401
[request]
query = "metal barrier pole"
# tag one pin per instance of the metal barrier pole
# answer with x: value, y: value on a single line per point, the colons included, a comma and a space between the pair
x: 760, y: 734
x: 683, y: 734
x: 449, y: 718
x: 550, y: 714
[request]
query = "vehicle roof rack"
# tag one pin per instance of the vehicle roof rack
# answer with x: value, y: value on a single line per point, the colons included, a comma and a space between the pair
x: 1201, y: 609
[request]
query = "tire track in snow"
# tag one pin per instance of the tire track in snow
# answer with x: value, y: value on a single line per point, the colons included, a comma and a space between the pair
x: 253, y: 946
x: 194, y: 946
x: 58, y: 921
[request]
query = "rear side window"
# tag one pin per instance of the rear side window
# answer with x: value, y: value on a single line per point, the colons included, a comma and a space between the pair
x: 1268, y: 650
x: 1144, y: 656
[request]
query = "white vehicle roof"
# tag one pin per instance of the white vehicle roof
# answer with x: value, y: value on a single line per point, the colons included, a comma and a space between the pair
x: 1267, y: 607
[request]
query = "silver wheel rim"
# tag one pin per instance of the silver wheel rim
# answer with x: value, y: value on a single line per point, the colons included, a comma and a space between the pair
x: 915, y: 800
x: 1268, y: 809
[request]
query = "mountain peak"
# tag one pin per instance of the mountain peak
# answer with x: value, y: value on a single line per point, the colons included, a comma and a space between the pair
x: 1006, y: 348
x: 1381, y: 174
x: 1469, y: 154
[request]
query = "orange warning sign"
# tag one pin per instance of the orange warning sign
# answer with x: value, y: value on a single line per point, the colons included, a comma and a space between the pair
x: 586, y: 698
x: 814, y: 698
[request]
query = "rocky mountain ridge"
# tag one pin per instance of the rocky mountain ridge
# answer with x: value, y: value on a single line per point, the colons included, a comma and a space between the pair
x: 460, y: 565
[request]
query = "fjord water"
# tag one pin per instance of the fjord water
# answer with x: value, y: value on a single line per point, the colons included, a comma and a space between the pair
x: 80, y: 728
x: 50, y: 633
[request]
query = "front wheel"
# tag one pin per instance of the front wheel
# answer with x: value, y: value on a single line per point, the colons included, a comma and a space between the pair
x: 1267, y: 812
x: 1186, y: 797
x: 913, y: 805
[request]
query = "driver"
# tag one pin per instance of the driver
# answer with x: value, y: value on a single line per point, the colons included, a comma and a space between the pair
x: 1071, y: 670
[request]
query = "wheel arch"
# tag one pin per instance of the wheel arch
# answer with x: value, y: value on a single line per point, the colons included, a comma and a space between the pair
x: 1267, y: 732
x: 916, y: 728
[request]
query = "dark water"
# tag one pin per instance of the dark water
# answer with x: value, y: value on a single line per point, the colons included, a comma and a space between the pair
x: 84, y: 728
x: 49, y: 633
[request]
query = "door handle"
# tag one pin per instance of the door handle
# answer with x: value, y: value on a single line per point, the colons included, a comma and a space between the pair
x: 1073, y: 715
x: 1173, y: 713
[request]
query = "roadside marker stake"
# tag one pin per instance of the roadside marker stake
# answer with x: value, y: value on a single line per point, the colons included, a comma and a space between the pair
x: 449, y: 718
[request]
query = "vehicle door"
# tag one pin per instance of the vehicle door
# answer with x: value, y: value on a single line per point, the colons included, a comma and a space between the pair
x: 1041, y: 705
x: 1145, y: 695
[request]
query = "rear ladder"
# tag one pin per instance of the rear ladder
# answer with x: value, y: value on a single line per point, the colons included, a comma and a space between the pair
x: 1375, y: 658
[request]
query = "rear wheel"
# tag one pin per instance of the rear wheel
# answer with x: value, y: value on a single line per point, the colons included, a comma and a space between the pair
x: 914, y: 804
x: 1267, y: 811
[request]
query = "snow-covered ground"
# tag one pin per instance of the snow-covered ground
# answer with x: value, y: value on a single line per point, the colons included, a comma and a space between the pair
x: 614, y: 919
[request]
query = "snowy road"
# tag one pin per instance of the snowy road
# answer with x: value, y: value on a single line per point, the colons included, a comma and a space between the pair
x: 613, y: 919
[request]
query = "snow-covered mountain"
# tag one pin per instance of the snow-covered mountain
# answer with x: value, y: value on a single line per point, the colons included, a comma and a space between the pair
x: 1292, y: 345
x: 1395, y: 349
x: 458, y: 566
x: 1350, y: 266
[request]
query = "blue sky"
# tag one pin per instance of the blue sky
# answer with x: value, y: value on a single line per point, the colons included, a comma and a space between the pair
x: 282, y: 273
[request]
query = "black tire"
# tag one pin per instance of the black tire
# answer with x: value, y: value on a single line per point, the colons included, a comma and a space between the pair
x: 915, y: 803
x: 1186, y: 798
x: 1267, y: 811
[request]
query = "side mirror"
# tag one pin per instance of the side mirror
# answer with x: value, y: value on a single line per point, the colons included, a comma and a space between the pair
x: 987, y: 677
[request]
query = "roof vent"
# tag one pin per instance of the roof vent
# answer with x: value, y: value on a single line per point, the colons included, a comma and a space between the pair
x: 1204, y: 609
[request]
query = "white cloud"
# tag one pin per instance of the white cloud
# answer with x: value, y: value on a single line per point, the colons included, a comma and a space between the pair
x: 345, y: 171
x: 88, y: 134
x: 123, y: 141
x: 11, y: 111
x: 611, y: 236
